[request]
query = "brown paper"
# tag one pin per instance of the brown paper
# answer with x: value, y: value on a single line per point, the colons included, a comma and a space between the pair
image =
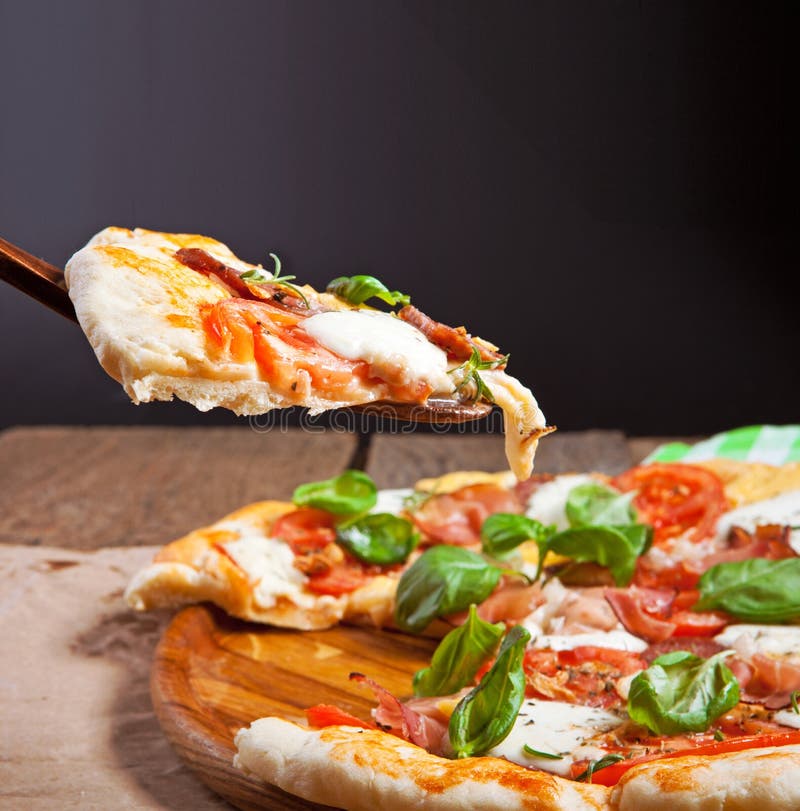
x: 77, y: 729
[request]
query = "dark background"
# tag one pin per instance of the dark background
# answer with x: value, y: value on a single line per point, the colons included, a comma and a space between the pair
x: 607, y: 190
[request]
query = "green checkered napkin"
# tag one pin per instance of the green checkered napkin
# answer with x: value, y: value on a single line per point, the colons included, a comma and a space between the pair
x: 773, y: 444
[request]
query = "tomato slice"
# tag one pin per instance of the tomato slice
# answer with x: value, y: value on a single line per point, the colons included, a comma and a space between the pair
x: 340, y: 579
x: 698, y: 623
x: 675, y: 498
x: 328, y: 715
x: 611, y: 774
x: 305, y: 530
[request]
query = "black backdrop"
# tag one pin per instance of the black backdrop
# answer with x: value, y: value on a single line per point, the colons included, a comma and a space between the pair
x: 605, y: 189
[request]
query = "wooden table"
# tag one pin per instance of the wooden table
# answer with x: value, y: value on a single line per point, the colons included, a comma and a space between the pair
x: 78, y: 509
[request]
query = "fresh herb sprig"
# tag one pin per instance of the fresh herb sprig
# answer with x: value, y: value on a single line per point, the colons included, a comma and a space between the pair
x: 259, y: 276
x: 596, y: 765
x: 469, y: 373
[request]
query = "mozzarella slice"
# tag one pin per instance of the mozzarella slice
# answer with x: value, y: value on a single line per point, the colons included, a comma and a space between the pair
x: 778, y: 640
x: 394, y: 350
x: 618, y: 639
x: 549, y: 501
x: 557, y: 728
x: 783, y: 509
x: 392, y: 501
x: 789, y: 718
x: 269, y: 564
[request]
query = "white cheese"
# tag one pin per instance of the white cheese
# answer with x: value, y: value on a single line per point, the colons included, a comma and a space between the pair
x: 548, y: 502
x: 395, y: 350
x: 392, y: 501
x: 557, y: 728
x: 783, y: 509
x: 778, y: 640
x: 269, y: 564
x: 618, y: 639
x: 522, y: 417
x: 789, y: 718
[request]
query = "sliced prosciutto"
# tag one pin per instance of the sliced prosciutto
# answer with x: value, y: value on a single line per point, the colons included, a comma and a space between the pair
x: 419, y: 721
x: 658, y: 614
x: 456, y: 518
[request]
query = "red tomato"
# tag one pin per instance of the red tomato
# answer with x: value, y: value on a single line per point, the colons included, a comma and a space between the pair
x: 305, y: 530
x: 611, y: 774
x: 675, y: 498
x: 698, y: 623
x: 341, y: 579
x: 328, y: 715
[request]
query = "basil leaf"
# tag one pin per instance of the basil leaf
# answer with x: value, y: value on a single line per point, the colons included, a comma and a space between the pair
x: 442, y: 580
x: 616, y: 547
x: 485, y: 715
x: 459, y: 657
x: 755, y: 590
x: 501, y: 533
x: 681, y: 692
x: 380, y: 538
x: 351, y: 493
x: 594, y: 503
x: 357, y: 289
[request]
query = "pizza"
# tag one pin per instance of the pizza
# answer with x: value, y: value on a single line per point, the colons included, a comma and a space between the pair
x: 606, y: 642
x: 179, y: 315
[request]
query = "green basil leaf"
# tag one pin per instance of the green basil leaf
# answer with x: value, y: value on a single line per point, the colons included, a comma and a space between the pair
x: 442, y: 580
x: 357, y: 289
x: 501, y: 533
x: 594, y: 503
x: 459, y: 657
x: 380, y: 538
x: 616, y: 547
x: 755, y: 590
x: 484, y: 717
x: 349, y: 494
x: 681, y: 692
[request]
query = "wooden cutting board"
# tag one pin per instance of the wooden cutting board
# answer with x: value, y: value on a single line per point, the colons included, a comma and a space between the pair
x: 213, y: 675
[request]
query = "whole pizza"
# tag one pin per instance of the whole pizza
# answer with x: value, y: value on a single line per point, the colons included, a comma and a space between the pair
x: 606, y: 642
x: 626, y: 642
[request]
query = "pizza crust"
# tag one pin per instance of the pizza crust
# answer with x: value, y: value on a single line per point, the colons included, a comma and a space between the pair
x: 361, y: 770
x: 765, y: 779
x: 195, y: 569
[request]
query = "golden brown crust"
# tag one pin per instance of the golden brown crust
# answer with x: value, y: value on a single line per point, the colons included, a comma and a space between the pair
x: 201, y: 566
x: 365, y: 769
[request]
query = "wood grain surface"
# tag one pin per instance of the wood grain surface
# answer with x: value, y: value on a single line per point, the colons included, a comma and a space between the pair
x: 86, y: 488
x: 213, y: 675
x: 396, y: 459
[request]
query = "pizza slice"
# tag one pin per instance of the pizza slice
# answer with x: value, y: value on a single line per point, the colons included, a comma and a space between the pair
x: 179, y: 315
x: 565, y: 692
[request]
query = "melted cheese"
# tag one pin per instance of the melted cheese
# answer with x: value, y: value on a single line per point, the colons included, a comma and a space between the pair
x: 523, y: 420
x: 783, y: 509
x: 392, y: 501
x: 549, y: 501
x: 269, y: 564
x: 557, y: 728
x: 778, y: 640
x: 789, y: 718
x: 618, y: 639
x: 394, y: 349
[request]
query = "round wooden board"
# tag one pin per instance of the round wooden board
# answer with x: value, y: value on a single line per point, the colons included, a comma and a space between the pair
x: 213, y: 675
